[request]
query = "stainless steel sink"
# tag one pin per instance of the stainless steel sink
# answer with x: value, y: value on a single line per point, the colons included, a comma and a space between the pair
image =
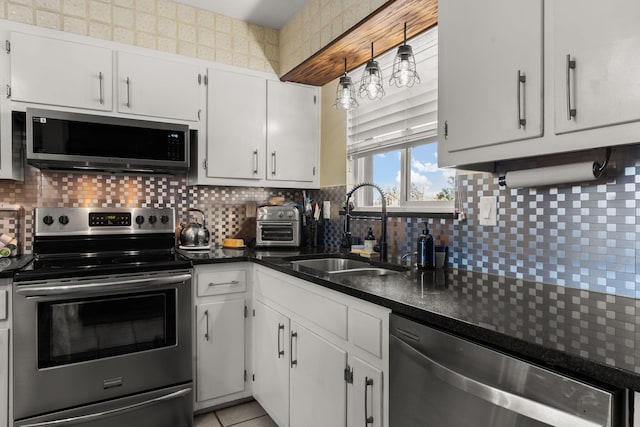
x: 328, y: 265
x: 341, y: 267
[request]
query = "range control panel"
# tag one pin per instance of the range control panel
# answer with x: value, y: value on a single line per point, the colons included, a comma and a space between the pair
x: 78, y: 221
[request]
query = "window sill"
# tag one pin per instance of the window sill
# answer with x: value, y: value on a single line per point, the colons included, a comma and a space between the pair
x: 399, y: 213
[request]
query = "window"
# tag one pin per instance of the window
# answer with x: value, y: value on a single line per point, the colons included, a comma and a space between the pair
x: 393, y: 141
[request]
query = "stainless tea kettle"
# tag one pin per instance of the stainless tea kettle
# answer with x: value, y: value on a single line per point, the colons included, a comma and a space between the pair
x: 194, y: 234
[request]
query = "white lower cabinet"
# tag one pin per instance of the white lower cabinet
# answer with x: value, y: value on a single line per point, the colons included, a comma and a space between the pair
x: 318, y: 391
x: 365, y: 394
x: 221, y: 331
x: 220, y: 355
x: 312, y: 364
x: 271, y: 362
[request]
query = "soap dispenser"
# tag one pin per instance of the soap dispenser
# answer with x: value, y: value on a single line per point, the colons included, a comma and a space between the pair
x: 369, y: 241
x: 426, y: 250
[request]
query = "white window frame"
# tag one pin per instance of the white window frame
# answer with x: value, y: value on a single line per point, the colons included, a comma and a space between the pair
x: 360, y: 154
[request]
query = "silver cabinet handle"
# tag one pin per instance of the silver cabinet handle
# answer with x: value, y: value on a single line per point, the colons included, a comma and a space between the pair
x: 128, y: 92
x: 85, y: 419
x: 280, y: 351
x: 255, y: 162
x: 495, y: 396
x: 206, y: 333
x: 101, y: 79
x: 522, y: 80
x: 571, y: 65
x: 233, y: 282
x: 294, y: 362
x: 273, y: 163
x: 368, y: 419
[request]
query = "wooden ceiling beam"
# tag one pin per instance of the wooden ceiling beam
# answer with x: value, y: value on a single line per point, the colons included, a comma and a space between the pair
x: 384, y: 27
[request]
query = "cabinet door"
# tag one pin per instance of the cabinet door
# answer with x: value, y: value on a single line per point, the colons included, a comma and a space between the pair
x: 292, y: 132
x: 236, y: 125
x: 157, y: 87
x: 271, y: 362
x: 604, y: 86
x: 318, y: 388
x: 56, y: 72
x: 4, y: 377
x: 365, y: 395
x: 484, y: 48
x: 220, y: 349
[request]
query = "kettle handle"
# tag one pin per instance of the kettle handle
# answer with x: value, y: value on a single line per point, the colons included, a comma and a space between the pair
x: 199, y: 211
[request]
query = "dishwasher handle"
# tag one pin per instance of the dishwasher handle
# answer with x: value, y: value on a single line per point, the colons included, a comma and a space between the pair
x: 512, y: 402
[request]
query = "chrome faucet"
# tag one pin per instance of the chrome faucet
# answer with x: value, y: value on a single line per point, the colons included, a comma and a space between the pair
x: 346, y: 238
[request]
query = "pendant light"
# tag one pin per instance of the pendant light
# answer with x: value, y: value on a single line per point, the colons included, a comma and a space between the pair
x: 371, y: 81
x: 345, y: 93
x: 404, y: 65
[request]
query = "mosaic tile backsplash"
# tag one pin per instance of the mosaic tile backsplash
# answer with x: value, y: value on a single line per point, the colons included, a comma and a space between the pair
x: 583, y: 236
x: 224, y: 207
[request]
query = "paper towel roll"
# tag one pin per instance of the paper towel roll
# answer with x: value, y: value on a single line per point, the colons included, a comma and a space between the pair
x: 551, y: 175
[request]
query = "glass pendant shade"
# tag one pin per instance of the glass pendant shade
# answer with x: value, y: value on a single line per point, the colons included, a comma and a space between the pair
x: 404, y: 66
x: 371, y: 81
x: 345, y: 92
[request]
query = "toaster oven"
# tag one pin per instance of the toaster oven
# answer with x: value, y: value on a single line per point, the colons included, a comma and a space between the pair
x: 278, y: 226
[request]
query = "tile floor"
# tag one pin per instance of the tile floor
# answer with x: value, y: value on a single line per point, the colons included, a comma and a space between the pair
x: 248, y: 414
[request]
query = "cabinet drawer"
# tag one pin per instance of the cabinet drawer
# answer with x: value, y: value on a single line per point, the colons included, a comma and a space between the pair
x: 221, y: 282
x: 326, y: 313
x: 365, y: 331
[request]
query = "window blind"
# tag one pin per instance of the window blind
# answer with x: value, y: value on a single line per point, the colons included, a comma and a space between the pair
x: 404, y: 115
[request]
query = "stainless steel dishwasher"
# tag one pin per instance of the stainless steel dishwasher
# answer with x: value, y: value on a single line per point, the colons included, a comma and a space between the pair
x: 439, y: 380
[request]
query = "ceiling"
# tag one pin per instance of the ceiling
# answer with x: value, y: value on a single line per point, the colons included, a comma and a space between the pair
x: 268, y: 13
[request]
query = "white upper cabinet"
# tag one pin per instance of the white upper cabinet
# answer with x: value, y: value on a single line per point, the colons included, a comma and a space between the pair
x: 157, y: 87
x: 491, y: 73
x: 57, y: 72
x: 596, y: 65
x: 293, y: 132
x: 236, y: 121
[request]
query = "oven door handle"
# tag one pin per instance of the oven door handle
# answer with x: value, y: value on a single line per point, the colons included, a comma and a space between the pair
x: 275, y: 224
x: 104, y: 414
x: 41, y: 291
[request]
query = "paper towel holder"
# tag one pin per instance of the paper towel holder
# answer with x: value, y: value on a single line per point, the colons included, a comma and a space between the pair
x: 598, y: 170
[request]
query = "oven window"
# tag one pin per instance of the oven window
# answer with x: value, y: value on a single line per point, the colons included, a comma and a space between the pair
x: 93, y: 328
x: 274, y: 233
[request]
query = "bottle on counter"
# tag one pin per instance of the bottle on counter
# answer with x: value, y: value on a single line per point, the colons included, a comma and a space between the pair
x: 426, y: 250
x: 369, y: 241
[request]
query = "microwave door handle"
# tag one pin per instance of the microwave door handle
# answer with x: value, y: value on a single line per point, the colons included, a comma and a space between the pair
x: 104, y: 414
x: 43, y: 291
x: 512, y: 402
x: 277, y: 224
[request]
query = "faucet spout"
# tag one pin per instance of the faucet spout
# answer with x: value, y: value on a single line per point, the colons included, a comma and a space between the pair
x: 383, y: 217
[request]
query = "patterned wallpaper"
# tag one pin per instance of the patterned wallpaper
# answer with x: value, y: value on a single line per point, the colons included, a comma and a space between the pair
x: 584, y: 236
x: 156, y: 24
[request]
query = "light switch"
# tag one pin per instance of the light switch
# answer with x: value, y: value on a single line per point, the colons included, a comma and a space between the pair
x: 488, y: 211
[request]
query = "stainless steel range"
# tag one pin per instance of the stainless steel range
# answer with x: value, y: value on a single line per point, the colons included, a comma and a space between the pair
x: 102, y: 322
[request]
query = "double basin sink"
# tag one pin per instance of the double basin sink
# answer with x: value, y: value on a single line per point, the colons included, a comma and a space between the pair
x: 343, y: 267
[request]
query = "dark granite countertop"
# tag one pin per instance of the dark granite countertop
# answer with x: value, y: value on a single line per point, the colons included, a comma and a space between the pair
x: 8, y: 266
x: 588, y: 335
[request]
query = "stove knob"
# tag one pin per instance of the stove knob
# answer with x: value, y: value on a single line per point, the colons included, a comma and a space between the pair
x: 153, y: 219
x: 290, y: 214
x: 164, y: 219
x: 139, y: 220
x: 48, y: 220
x: 64, y: 220
x: 280, y: 214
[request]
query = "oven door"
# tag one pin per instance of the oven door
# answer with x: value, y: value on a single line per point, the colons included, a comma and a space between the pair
x: 79, y: 341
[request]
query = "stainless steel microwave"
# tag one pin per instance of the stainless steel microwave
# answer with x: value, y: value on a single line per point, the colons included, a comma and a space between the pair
x: 73, y: 141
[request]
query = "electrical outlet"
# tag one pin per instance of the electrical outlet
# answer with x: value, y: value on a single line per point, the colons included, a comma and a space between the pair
x: 488, y: 211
